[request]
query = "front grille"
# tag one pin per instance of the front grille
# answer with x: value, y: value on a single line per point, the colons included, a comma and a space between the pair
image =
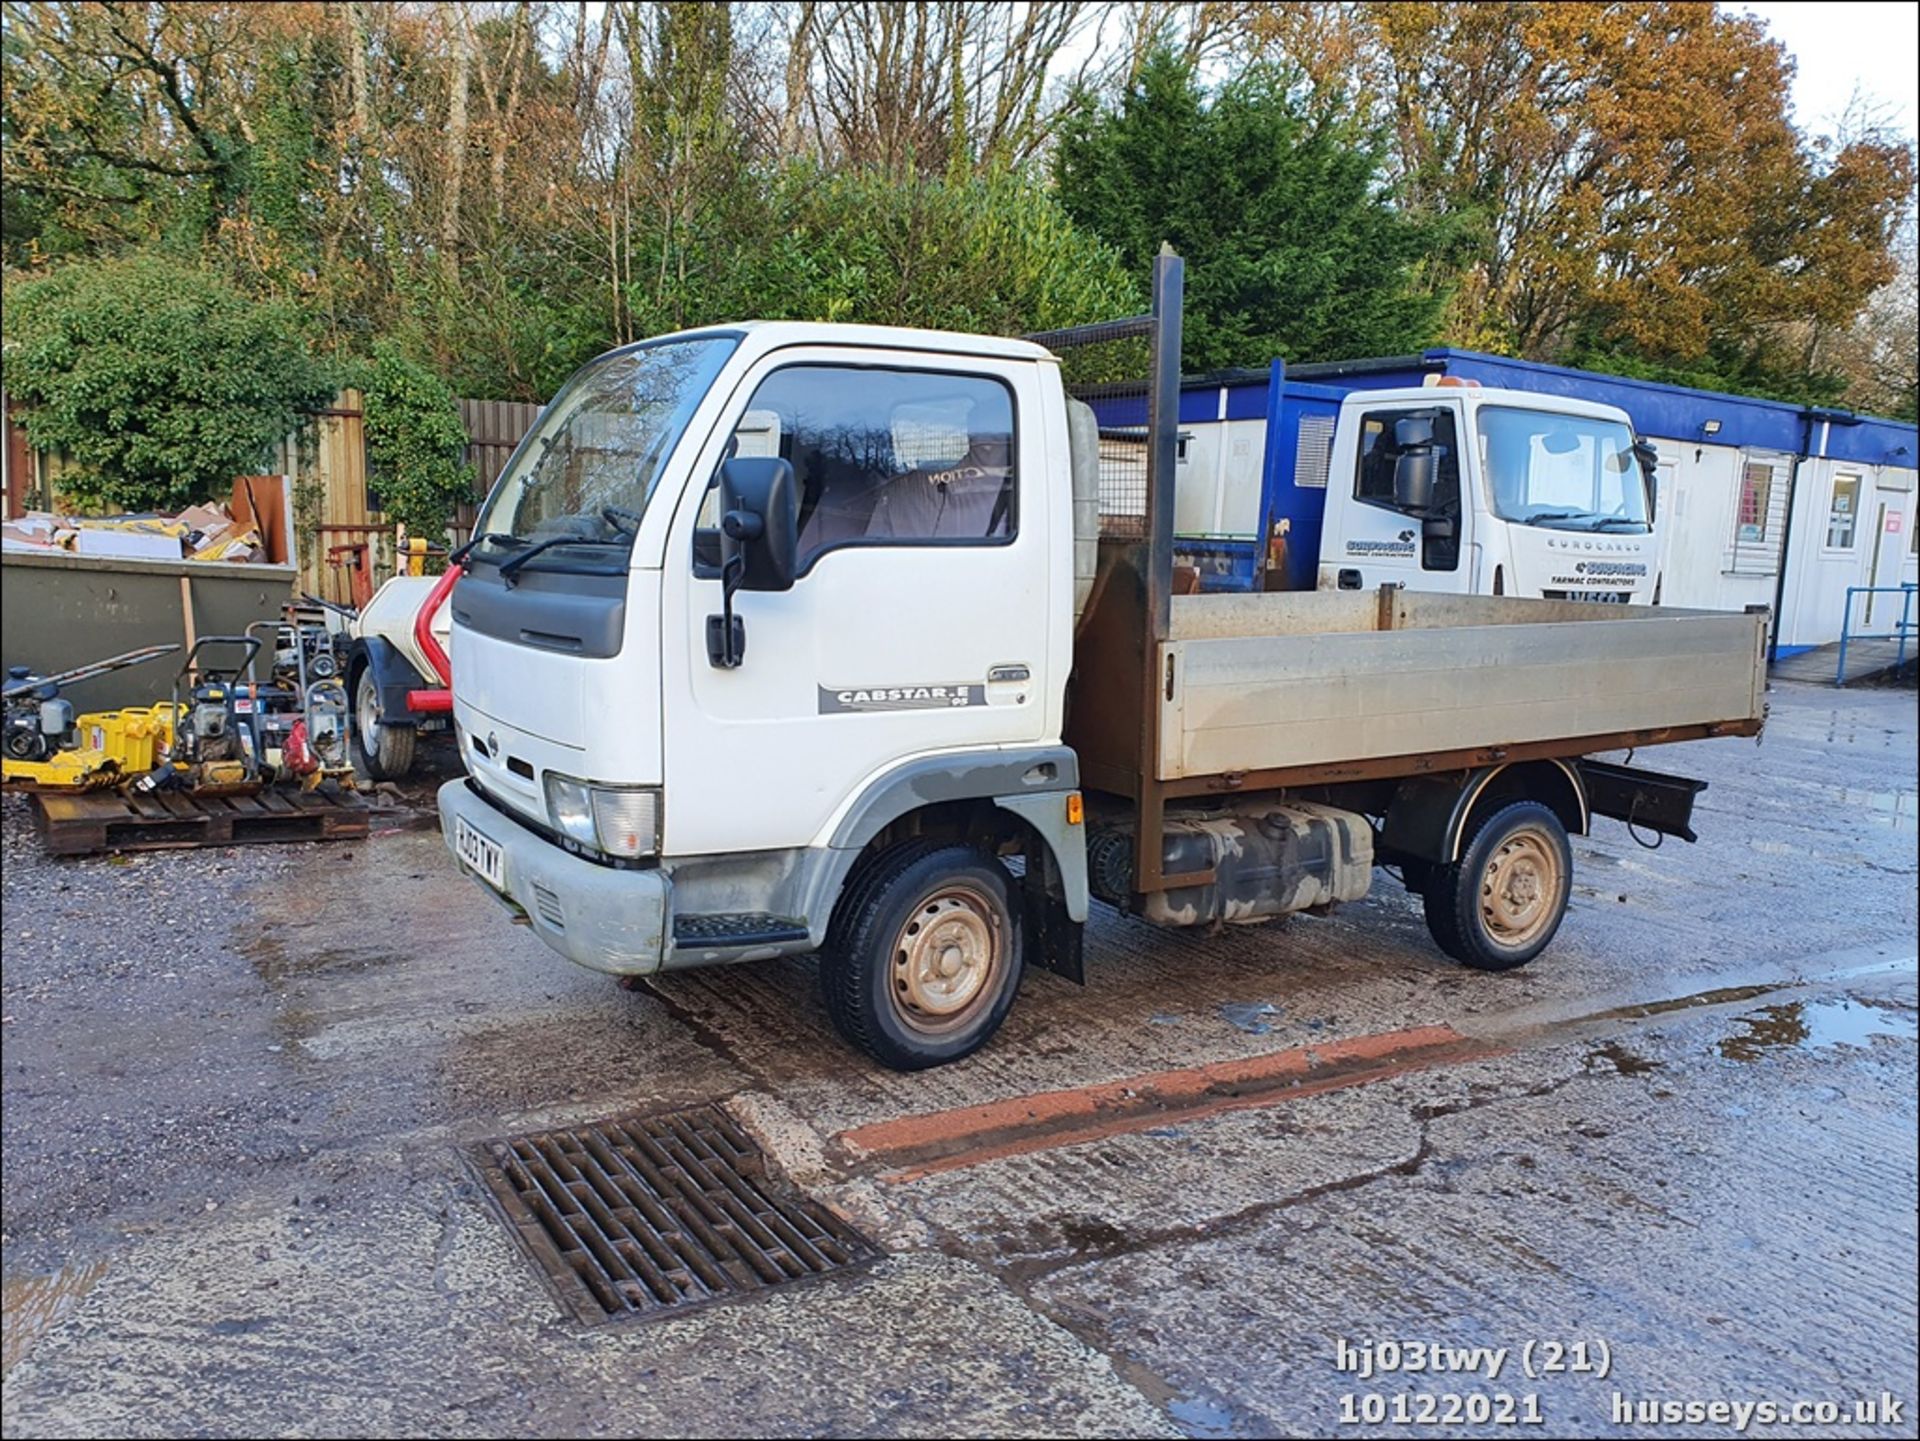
x: 641, y: 1215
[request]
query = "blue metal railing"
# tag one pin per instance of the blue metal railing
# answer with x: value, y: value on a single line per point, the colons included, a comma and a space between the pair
x: 1900, y: 632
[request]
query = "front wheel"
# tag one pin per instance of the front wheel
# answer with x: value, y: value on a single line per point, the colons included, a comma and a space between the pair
x: 1498, y: 906
x: 923, y: 959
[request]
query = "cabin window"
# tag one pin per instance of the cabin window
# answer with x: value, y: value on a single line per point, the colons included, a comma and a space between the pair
x: 1843, y: 513
x: 1756, y: 495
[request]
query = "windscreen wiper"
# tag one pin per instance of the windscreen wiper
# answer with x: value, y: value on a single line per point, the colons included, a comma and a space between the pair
x: 1547, y: 515
x: 497, y: 537
x: 1607, y: 520
x: 520, y: 557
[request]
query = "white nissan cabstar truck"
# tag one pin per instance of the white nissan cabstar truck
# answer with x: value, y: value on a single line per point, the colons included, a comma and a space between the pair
x: 778, y: 638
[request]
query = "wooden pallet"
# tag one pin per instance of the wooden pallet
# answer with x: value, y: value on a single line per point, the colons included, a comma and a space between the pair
x: 78, y: 825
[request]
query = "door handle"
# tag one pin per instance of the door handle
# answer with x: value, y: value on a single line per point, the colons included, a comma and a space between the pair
x: 1007, y: 684
x: 1349, y: 579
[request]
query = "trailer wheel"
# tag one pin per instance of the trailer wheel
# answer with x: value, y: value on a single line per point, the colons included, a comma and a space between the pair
x: 385, y: 751
x: 924, y: 955
x: 1498, y: 906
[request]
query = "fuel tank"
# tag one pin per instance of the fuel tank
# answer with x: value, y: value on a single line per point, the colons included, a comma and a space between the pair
x: 1268, y: 860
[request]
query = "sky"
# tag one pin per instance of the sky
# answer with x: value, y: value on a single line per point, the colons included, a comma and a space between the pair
x: 1839, y: 47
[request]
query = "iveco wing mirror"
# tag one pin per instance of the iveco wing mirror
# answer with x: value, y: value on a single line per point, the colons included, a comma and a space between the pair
x: 1413, y: 463
x: 1649, y: 459
x: 759, y: 541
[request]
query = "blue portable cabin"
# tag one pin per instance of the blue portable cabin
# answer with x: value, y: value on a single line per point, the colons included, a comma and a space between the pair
x: 1267, y: 490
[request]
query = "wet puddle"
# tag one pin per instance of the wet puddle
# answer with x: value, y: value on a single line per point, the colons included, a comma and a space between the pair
x: 1813, y: 1026
x: 1899, y: 809
x: 1249, y: 1016
x: 34, y: 1305
x: 1201, y: 1418
x: 1624, y: 1061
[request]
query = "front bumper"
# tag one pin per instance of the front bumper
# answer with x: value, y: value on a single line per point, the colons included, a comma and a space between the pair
x: 605, y: 919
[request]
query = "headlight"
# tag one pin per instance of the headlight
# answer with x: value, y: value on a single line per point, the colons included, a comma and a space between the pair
x: 621, y: 821
x: 569, y: 807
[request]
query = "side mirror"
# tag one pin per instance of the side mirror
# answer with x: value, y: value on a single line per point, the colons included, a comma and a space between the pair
x: 1412, y: 432
x: 759, y: 523
x: 1413, y: 474
x: 759, y: 544
x: 1649, y: 459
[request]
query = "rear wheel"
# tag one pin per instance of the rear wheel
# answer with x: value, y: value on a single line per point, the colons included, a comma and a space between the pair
x: 924, y: 955
x: 1498, y: 906
x: 384, y: 751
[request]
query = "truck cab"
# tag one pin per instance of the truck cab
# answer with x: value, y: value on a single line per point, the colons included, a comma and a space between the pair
x: 1529, y: 495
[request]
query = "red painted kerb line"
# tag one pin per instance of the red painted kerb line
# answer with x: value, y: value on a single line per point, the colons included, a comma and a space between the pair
x: 969, y: 1135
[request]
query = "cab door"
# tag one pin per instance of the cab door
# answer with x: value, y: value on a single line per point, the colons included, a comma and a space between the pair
x: 1380, y: 543
x: 919, y: 619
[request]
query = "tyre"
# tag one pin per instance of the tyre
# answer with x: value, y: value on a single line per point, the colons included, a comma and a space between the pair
x: 924, y: 955
x: 385, y: 752
x: 1498, y: 906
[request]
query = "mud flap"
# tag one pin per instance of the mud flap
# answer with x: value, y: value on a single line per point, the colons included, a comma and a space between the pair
x: 1054, y: 940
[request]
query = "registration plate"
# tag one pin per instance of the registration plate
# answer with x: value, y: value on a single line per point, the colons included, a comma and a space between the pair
x: 484, y: 857
x: 1618, y: 597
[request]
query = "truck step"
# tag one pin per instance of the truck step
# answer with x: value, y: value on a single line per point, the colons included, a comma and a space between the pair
x: 736, y: 928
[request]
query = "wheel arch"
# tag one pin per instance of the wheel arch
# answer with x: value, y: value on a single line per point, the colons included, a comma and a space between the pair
x: 982, y: 796
x: 393, y: 673
x: 1431, y: 817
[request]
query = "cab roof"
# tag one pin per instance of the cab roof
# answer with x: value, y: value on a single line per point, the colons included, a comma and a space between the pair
x: 1488, y: 395
x: 777, y: 334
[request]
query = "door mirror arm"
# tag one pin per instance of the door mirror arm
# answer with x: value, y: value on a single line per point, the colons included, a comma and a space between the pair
x: 726, y: 632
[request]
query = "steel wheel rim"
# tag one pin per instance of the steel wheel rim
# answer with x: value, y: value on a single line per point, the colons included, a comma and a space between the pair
x: 1520, y: 889
x: 946, y: 960
x: 367, y: 713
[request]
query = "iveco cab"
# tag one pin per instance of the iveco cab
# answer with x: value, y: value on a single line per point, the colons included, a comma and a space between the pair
x: 783, y: 637
x: 1543, y: 496
x: 1291, y: 488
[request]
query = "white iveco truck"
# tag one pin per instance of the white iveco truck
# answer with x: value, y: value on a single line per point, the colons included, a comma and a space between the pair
x: 784, y: 637
x: 1548, y: 496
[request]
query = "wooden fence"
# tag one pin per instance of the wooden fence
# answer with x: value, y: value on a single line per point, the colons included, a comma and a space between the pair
x: 335, y: 517
x: 494, y: 428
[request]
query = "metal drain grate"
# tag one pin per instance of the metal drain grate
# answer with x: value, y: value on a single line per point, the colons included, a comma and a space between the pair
x: 643, y: 1214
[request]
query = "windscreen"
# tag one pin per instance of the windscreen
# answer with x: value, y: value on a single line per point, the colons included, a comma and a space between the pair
x: 1564, y: 472
x: 587, y: 470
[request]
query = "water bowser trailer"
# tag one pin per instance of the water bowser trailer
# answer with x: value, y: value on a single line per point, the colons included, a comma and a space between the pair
x: 780, y: 638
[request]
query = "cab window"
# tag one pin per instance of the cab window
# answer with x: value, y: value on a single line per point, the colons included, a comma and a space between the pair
x: 1373, y: 480
x: 1373, y: 477
x: 882, y: 457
